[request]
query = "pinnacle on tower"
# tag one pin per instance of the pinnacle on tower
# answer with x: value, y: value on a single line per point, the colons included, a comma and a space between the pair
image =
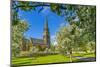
x: 46, y: 34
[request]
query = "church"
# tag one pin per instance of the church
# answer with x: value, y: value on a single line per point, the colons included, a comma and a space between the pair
x: 42, y: 43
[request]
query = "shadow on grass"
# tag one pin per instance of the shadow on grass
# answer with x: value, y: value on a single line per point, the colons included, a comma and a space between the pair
x: 88, y: 59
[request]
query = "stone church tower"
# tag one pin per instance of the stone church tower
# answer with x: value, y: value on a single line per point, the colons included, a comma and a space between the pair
x: 46, y: 34
x: 43, y: 43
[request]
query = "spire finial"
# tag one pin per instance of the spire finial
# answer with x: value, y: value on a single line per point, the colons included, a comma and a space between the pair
x: 46, y: 22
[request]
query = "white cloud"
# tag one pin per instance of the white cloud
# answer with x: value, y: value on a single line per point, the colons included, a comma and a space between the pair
x: 45, y: 11
x: 62, y: 24
x: 76, y: 19
x: 53, y: 40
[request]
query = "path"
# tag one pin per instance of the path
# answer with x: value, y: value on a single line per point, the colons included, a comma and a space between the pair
x: 91, y: 59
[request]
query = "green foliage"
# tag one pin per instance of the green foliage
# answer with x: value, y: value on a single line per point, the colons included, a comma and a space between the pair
x: 15, y: 18
x: 24, y: 54
x: 52, y: 47
x: 66, y: 37
x: 18, y: 31
x: 55, y: 8
x: 15, y: 50
x: 82, y: 32
x: 17, y: 35
x: 87, y: 20
x: 26, y: 6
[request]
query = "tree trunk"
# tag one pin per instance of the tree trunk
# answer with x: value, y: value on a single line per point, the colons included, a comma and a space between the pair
x: 70, y: 58
x: 70, y: 55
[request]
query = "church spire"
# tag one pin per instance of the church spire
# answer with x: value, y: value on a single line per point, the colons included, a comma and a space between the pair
x: 46, y: 34
x: 46, y: 23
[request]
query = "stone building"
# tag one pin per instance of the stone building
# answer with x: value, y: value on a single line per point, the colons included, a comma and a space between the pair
x: 41, y: 43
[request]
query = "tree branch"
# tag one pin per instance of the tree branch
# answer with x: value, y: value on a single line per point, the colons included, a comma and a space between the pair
x: 19, y: 6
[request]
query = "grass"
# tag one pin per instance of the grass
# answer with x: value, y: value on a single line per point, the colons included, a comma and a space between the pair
x: 40, y: 60
x: 89, y: 55
x: 46, y: 59
x: 85, y: 54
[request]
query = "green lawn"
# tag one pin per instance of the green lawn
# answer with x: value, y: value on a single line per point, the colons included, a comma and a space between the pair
x: 46, y: 59
x: 85, y: 54
x: 40, y: 60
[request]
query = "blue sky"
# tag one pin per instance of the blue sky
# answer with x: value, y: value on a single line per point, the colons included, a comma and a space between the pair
x: 37, y: 20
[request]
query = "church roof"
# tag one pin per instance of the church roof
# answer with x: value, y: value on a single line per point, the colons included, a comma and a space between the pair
x: 37, y: 41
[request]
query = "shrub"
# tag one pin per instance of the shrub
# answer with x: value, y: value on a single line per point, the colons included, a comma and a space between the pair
x: 24, y: 54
